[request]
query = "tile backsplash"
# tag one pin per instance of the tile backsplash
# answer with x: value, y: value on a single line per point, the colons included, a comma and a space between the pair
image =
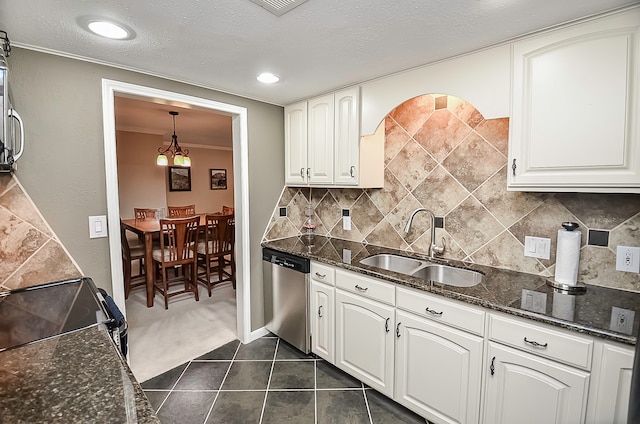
x: 441, y: 154
x: 30, y: 253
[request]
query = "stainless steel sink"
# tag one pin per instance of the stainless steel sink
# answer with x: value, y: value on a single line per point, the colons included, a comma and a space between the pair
x: 444, y: 274
x: 449, y: 275
x: 395, y: 263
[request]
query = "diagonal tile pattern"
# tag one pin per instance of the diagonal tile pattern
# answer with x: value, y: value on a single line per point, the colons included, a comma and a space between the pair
x: 278, y: 384
x: 441, y: 154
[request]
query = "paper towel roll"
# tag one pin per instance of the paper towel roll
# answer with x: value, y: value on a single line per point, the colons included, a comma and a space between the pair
x: 568, y: 257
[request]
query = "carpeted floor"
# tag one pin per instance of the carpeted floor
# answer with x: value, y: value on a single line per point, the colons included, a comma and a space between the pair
x: 160, y: 340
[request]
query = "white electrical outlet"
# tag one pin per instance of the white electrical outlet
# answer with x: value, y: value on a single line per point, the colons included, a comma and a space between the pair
x: 346, y: 256
x: 537, y: 247
x: 622, y: 320
x: 628, y: 259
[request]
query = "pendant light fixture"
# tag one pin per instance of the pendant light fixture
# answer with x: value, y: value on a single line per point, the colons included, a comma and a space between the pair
x: 180, y: 156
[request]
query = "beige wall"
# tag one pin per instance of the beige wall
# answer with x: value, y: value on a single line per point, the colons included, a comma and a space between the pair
x: 63, y: 171
x: 201, y: 195
x: 143, y: 184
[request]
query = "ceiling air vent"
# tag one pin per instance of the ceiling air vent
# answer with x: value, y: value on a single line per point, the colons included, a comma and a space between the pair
x: 279, y: 7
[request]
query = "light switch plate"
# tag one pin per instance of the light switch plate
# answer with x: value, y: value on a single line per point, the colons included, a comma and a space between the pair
x: 628, y: 259
x: 98, y: 226
x: 537, y: 247
x: 534, y: 301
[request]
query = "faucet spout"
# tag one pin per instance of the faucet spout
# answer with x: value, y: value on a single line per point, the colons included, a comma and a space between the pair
x: 434, y: 249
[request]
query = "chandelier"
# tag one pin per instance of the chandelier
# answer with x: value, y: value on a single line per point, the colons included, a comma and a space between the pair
x: 180, y: 156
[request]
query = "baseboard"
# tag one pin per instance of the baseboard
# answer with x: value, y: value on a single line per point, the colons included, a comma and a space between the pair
x: 256, y: 334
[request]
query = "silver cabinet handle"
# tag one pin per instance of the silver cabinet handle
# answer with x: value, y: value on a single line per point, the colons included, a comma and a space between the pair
x: 492, y: 367
x: 351, y: 171
x: 320, y: 311
x: 302, y: 173
x: 513, y: 167
x: 321, y: 275
x: 362, y: 289
x: 398, y: 330
x: 308, y: 172
x: 432, y: 312
x: 386, y: 325
x: 535, y: 343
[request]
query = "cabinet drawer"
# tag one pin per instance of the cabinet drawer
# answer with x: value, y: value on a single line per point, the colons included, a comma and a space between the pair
x: 543, y: 341
x: 366, y: 286
x: 447, y: 312
x: 323, y: 273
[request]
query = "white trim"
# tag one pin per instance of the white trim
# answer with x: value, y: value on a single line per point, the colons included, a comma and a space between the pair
x: 241, y: 190
x: 260, y: 332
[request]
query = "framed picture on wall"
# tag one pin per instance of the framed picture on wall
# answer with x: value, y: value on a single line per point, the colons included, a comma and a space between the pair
x: 218, y: 179
x: 179, y: 178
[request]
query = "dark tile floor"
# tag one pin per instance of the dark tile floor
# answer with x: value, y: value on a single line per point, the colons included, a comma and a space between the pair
x: 267, y: 381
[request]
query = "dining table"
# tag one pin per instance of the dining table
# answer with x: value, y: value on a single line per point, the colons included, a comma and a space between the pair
x: 146, y: 229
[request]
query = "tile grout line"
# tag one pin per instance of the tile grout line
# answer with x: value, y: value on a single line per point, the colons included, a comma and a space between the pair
x: 173, y: 387
x: 266, y: 392
x: 366, y: 403
x: 221, y: 383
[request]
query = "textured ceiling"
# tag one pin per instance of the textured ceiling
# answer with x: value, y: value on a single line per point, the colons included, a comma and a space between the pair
x: 319, y: 46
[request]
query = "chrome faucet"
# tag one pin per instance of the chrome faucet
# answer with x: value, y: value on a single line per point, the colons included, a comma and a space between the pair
x: 434, y: 249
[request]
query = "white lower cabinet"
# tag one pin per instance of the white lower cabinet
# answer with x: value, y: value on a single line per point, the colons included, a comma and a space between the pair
x: 526, y: 389
x: 610, y: 385
x: 322, y: 321
x: 365, y: 340
x: 438, y: 370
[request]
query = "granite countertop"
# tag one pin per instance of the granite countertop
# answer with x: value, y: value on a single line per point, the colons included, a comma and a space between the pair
x: 501, y: 290
x: 78, y: 377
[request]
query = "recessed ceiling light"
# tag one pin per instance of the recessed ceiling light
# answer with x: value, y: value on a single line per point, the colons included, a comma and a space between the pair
x: 109, y: 30
x: 268, y: 78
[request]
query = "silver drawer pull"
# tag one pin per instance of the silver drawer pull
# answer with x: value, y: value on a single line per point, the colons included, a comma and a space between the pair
x: 535, y: 343
x: 321, y: 275
x: 432, y: 312
x: 363, y: 289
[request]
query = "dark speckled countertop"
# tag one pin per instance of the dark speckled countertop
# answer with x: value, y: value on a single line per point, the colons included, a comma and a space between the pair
x: 501, y: 290
x: 77, y: 377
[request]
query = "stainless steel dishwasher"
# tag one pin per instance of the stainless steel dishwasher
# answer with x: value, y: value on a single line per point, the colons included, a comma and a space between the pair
x: 286, y: 297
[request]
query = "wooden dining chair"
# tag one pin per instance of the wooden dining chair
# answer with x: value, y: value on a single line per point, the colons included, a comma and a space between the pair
x: 216, y: 252
x: 227, y: 210
x: 178, y: 244
x: 130, y: 254
x: 181, y: 211
x: 145, y: 213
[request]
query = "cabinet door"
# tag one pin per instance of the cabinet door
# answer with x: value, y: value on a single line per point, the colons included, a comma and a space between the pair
x: 574, y: 108
x: 295, y: 143
x: 365, y: 340
x: 610, y: 387
x: 438, y: 370
x: 347, y: 136
x: 320, y: 139
x: 526, y: 389
x: 322, y: 321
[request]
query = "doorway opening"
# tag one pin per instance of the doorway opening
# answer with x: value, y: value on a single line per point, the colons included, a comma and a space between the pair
x: 238, y: 115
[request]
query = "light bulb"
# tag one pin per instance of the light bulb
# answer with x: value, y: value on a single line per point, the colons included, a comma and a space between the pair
x: 186, y: 161
x: 178, y: 160
x: 162, y: 160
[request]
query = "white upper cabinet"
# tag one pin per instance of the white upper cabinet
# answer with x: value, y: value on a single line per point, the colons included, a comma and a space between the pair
x: 330, y: 152
x: 575, y: 105
x: 295, y: 134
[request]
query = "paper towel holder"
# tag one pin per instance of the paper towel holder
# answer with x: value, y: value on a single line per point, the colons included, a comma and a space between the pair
x: 578, y: 288
x: 570, y: 226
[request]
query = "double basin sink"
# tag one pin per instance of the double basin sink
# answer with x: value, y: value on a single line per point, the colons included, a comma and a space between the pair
x: 444, y: 274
